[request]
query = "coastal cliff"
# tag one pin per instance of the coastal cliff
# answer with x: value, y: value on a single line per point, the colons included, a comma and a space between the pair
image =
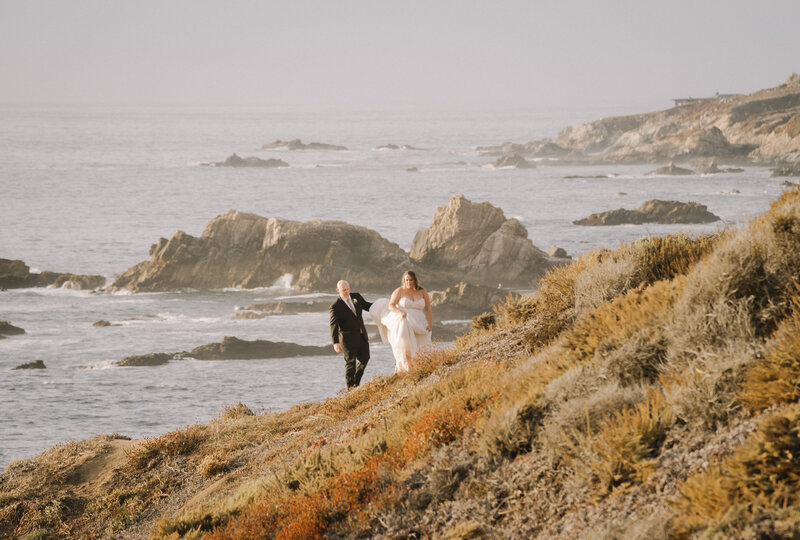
x: 646, y: 392
x: 761, y: 128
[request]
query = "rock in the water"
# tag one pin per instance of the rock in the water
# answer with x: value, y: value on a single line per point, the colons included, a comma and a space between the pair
x: 711, y: 167
x: 464, y: 300
x: 513, y: 161
x: 282, y: 308
x: 671, y: 170
x: 391, y: 146
x: 297, y: 144
x: 653, y: 211
x: 476, y: 243
x: 8, y: 329
x: 557, y: 252
x: 245, y: 250
x: 102, y: 323
x: 15, y: 274
x: 412, y: 169
x: 792, y: 169
x: 232, y: 348
x: 152, y: 359
x: 36, y: 364
x: 235, y: 161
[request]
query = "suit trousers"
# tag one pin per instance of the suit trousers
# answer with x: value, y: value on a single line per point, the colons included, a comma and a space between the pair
x: 355, y: 361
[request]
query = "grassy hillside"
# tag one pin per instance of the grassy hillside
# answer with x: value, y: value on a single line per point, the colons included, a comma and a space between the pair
x: 647, y: 392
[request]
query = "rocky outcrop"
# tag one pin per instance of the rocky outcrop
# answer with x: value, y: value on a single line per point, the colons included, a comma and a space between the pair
x: 711, y: 167
x: 15, y: 274
x: 787, y: 170
x: 146, y: 360
x: 671, y: 170
x: 513, y: 161
x: 36, y: 364
x: 476, y: 243
x: 244, y: 250
x: 8, y: 329
x: 259, y: 311
x: 653, y: 211
x: 297, y: 144
x: 758, y: 128
x: 235, y: 161
x: 231, y: 348
x: 464, y: 301
x: 557, y: 252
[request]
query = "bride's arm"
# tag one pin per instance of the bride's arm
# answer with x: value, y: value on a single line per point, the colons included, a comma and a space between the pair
x: 428, y: 312
x: 393, y: 303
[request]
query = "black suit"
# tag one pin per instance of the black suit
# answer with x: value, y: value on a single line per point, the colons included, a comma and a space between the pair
x: 347, y: 329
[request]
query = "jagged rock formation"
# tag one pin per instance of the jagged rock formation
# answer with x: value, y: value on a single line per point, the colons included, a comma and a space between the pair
x: 476, y: 243
x: 758, y: 128
x: 711, y: 167
x: 15, y: 274
x: 513, y: 161
x: 653, y: 211
x: 244, y: 250
x: 558, y: 252
x: 466, y: 242
x: 671, y: 170
x: 235, y: 161
x: 297, y: 144
x: 231, y: 348
x: 36, y: 364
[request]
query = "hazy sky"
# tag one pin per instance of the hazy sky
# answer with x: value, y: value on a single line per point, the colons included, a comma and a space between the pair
x: 481, y: 54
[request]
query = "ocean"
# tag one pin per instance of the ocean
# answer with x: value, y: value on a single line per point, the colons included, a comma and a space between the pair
x: 89, y: 189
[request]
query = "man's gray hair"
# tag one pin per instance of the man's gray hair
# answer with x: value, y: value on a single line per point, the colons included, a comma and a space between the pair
x: 340, y: 283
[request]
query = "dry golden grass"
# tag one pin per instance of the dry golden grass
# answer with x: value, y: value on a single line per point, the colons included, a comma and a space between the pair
x: 776, y: 377
x: 619, y: 448
x: 763, y: 475
x: 589, y: 373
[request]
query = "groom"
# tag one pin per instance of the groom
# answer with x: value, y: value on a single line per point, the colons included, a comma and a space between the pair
x: 348, y: 332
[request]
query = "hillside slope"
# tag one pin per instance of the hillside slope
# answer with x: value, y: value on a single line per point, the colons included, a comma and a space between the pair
x: 647, y: 392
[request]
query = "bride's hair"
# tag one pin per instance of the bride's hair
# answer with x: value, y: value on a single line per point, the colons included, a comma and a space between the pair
x: 412, y: 275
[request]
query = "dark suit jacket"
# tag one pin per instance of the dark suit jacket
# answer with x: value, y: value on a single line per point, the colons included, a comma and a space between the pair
x: 347, y: 327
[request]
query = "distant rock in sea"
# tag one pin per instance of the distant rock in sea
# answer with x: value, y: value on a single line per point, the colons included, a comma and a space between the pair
x: 513, y: 161
x: 792, y: 169
x: 235, y: 161
x: 8, y: 329
x: 653, y: 211
x: 711, y: 167
x: 146, y: 360
x: 232, y: 348
x: 259, y: 311
x: 297, y: 144
x: 15, y: 274
x: 412, y: 169
x: 396, y: 147
x: 671, y: 170
x: 36, y: 364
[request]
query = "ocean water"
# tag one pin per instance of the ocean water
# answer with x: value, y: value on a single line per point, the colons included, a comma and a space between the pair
x: 89, y: 189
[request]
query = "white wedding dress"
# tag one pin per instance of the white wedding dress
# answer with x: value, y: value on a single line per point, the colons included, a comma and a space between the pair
x: 406, y: 334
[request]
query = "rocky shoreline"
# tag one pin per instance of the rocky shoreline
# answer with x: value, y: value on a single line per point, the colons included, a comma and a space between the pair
x: 755, y: 129
x: 15, y: 274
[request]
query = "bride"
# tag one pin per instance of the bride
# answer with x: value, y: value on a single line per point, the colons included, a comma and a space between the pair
x: 404, y: 320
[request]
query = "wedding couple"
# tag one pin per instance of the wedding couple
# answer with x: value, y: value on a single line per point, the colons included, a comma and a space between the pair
x: 404, y: 322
